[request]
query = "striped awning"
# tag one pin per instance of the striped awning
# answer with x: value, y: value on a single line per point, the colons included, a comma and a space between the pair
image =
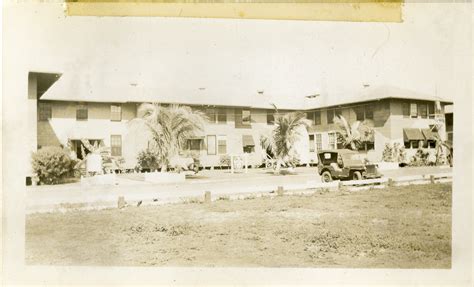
x: 428, y: 134
x: 247, y: 140
x: 412, y: 135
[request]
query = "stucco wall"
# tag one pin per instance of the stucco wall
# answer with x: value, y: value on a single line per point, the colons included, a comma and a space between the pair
x: 63, y: 125
x: 388, y: 124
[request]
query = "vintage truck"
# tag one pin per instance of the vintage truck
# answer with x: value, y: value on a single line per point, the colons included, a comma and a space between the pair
x: 344, y: 164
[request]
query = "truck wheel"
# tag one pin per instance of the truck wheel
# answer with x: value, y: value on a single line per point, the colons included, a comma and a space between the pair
x: 326, y: 176
x: 356, y: 175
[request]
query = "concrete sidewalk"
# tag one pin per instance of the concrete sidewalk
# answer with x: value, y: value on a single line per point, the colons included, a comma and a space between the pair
x: 219, y: 183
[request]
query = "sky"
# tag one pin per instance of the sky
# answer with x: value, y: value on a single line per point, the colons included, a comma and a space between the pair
x: 201, y: 60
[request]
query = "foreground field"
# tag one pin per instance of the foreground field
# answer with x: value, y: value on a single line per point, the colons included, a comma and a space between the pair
x: 406, y: 227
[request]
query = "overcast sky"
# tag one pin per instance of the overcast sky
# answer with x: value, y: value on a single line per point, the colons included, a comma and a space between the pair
x: 235, y: 58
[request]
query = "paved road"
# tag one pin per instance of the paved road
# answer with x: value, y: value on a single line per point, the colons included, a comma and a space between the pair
x: 220, y: 183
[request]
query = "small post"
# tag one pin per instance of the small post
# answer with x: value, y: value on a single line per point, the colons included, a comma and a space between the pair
x: 232, y: 164
x: 280, y: 190
x: 121, y: 202
x: 390, y: 182
x: 246, y: 163
x: 432, y: 179
x: 207, y: 197
x: 340, y: 185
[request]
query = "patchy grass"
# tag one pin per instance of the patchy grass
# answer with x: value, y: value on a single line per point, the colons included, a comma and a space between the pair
x: 399, y: 227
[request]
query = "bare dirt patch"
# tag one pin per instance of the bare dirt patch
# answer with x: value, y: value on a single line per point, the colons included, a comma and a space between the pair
x: 400, y: 227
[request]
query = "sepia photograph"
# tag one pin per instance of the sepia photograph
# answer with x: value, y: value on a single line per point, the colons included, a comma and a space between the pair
x: 188, y: 140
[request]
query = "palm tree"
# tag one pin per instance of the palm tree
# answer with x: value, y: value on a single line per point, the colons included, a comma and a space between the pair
x: 286, y: 132
x: 442, y: 145
x: 352, y: 136
x: 170, y: 128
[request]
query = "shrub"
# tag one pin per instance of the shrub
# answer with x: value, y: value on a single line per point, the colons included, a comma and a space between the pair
x: 148, y: 159
x: 387, y: 154
x: 224, y: 161
x: 402, y: 155
x: 420, y: 158
x: 52, y: 165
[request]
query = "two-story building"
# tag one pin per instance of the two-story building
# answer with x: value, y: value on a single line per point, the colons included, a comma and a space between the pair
x: 234, y: 128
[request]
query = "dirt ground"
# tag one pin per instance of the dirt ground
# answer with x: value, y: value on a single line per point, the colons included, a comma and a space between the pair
x: 399, y: 227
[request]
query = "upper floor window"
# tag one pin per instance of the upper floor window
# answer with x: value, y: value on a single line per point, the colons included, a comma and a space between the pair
x: 211, y: 115
x: 115, y: 112
x: 359, y: 111
x: 82, y: 112
x: 246, y: 117
x: 406, y: 110
x: 221, y: 116
x: 369, y: 112
x: 431, y: 110
x: 423, y: 109
x: 413, y: 110
x: 216, y: 116
x: 44, y: 112
x: 317, y: 117
x: 330, y: 116
x: 270, y: 117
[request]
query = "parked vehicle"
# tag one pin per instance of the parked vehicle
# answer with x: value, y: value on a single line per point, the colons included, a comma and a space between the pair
x: 344, y: 164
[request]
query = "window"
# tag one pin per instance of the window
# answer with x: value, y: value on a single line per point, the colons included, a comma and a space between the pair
x: 249, y: 149
x: 242, y: 118
x: 319, y: 142
x: 81, y: 112
x: 431, y: 143
x: 423, y: 109
x: 369, y: 112
x: 194, y: 144
x: 211, y: 145
x: 211, y: 115
x: 431, y: 110
x: 317, y: 117
x: 248, y: 144
x: 332, y: 141
x: 366, y: 146
x: 221, y: 145
x: 44, y: 112
x: 115, y: 113
x: 415, y: 144
x: 221, y: 116
x: 311, y: 143
x: 413, y: 110
x: 369, y: 146
x: 330, y: 116
x: 246, y: 117
x: 270, y: 118
x: 359, y: 113
x: 116, y: 145
x: 216, y: 116
x: 406, y: 110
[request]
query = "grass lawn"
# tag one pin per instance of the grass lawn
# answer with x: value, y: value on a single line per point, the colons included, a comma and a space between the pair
x: 399, y: 227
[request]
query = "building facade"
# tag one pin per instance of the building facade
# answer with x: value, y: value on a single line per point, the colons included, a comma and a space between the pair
x: 235, y: 130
